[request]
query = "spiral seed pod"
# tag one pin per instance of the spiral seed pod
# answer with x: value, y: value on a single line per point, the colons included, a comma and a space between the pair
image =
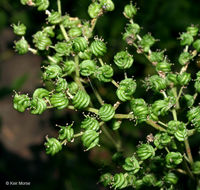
x: 21, y: 46
x: 107, y: 5
x: 161, y: 140
x: 138, y: 184
x: 196, y: 168
x: 193, y: 116
x: 98, y: 47
x: 59, y: 101
x: 42, y: 4
x: 171, y: 178
x: 94, y: 10
x: 197, y: 86
x: 173, y: 159
x: 66, y: 132
x: 21, y: 102
x: 41, y: 40
x: 181, y: 132
x: 90, y: 139
x: 152, y: 115
x: 184, y: 58
x: 186, y: 39
x: 131, y: 165
x: 189, y: 100
x: 74, y: 32
x: 140, y: 109
x: 86, y: 30
x: 68, y: 67
x: 51, y: 72
x: 172, y: 78
x: 156, y: 83
x: 63, y: 48
x: 53, y: 146
x: 156, y: 57
x: 87, y: 67
x: 49, y: 30
x: 149, y: 180
x: 116, y: 125
x: 184, y: 78
x: 120, y: 181
x: 104, y: 73
x: 129, y: 11
x: 19, y: 29
x: 131, y: 31
x: 145, y: 151
x: 193, y: 30
x: 61, y: 85
x: 126, y: 89
x: 81, y: 100
x: 73, y: 88
x: 70, y: 22
x: 90, y: 123
x: 123, y: 60
x: 106, y: 179
x: 146, y: 42
x: 163, y: 66
x: 106, y: 112
x: 79, y: 44
x: 38, y: 106
x: 172, y: 126
x: 54, y: 18
x: 87, y: 54
x: 196, y: 45
x: 41, y: 93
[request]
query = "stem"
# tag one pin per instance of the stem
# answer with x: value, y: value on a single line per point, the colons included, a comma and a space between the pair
x: 160, y: 122
x: 75, y: 136
x: 101, y: 61
x: 156, y: 126
x: 59, y: 6
x: 123, y: 116
x: 34, y: 51
x: 174, y: 114
x: 188, y: 151
x: 181, y: 171
x: 115, y: 83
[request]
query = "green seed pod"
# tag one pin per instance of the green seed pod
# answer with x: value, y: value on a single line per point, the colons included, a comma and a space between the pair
x: 145, y: 151
x: 19, y: 29
x: 126, y: 89
x: 106, y: 112
x: 184, y: 78
x: 184, y: 58
x: 172, y: 78
x: 70, y: 22
x: 116, y: 125
x: 197, y: 86
x: 49, y: 30
x: 196, y: 45
x: 138, y: 184
x: 38, y: 106
x: 196, y: 168
x: 79, y: 44
x: 193, y: 116
x: 156, y: 57
x: 74, y: 32
x: 61, y: 85
x: 181, y: 132
x: 156, y: 83
x: 41, y: 40
x: 189, y: 99
x: 107, y: 5
x: 87, y: 67
x: 94, y: 10
x: 106, y: 179
x: 73, y: 88
x: 161, y: 140
x: 132, y: 165
x: 104, y: 73
x: 24, y: 2
x: 86, y: 30
x: 171, y: 178
x: 68, y: 67
x: 54, y: 18
x: 132, y: 30
x: 55, y: 59
x: 41, y: 93
x: 52, y: 71
x: 21, y: 102
x: 172, y: 159
x: 123, y: 60
x: 53, y: 146
x: 146, y: 42
x: 42, y: 4
x: 90, y: 139
x: 63, y: 48
x: 163, y: 66
x: 21, y: 46
x: 59, y: 101
x: 129, y: 11
x: 151, y: 115
x: 98, y: 47
x: 120, y: 181
x: 87, y: 54
x: 90, y: 123
x: 149, y: 180
x: 140, y: 109
x: 193, y: 30
x: 172, y: 126
x: 81, y: 100
x: 66, y: 132
x: 186, y: 39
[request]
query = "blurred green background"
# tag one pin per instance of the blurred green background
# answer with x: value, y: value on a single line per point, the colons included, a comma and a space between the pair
x: 22, y: 135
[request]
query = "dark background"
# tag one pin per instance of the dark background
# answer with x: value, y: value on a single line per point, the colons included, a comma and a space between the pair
x: 22, y: 155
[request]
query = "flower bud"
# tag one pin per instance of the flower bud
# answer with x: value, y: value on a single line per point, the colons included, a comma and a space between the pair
x: 53, y: 146
x: 19, y: 29
x: 186, y: 39
x: 184, y: 58
x: 173, y: 159
x: 145, y: 151
x: 90, y: 139
x: 106, y: 112
x: 129, y: 11
x: 123, y: 60
x: 21, y: 46
x: 94, y: 10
